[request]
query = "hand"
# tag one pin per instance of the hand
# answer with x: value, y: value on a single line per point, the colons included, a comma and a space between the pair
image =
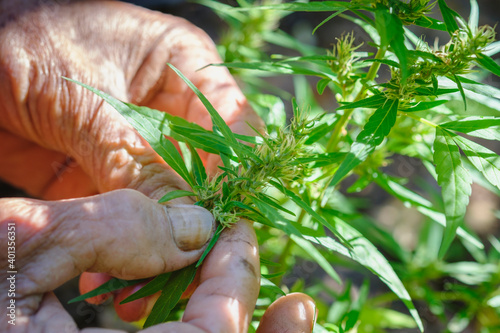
x: 60, y: 141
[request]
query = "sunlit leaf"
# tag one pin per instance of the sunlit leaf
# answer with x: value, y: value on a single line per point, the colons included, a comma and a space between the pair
x: 150, y: 288
x: 375, y: 130
x: 107, y: 287
x: 175, y: 194
x: 455, y: 183
x: 149, y: 132
x: 170, y: 295
x: 485, y: 160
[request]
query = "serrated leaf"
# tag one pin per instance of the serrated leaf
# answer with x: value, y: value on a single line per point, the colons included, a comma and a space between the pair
x: 321, y: 85
x: 430, y: 23
x: 423, y: 205
x: 267, y: 284
x: 461, y: 89
x: 488, y: 63
x: 111, y: 285
x: 176, y: 194
x: 455, y: 183
x: 372, y: 102
x: 448, y: 17
x: 148, y: 131
x: 271, y: 202
x: 279, y: 67
x: 197, y: 167
x: 486, y: 128
x: 321, y: 160
x: 365, y: 253
x: 485, y: 160
x: 391, y: 32
x: 170, y: 295
x: 322, y: 6
x: 149, y: 289
x: 317, y: 257
x: 423, y: 106
x: 216, y: 118
x: 375, y: 130
x: 306, y: 207
x: 328, y: 19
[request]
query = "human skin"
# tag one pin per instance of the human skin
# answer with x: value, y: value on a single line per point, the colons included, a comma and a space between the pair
x: 97, y: 181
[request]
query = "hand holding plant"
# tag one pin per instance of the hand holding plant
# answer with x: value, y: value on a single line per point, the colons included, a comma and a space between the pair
x: 59, y: 142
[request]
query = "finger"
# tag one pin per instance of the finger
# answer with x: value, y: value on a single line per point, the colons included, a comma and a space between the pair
x: 294, y: 312
x: 135, y: 310
x: 229, y: 283
x: 229, y: 286
x: 134, y: 71
x: 122, y: 233
x: 89, y: 281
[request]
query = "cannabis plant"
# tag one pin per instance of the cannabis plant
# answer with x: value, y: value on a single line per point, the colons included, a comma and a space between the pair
x: 297, y: 180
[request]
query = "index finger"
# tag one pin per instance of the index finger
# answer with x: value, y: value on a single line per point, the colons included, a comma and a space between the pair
x: 229, y: 286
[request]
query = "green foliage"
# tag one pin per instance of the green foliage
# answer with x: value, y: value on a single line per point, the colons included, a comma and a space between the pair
x: 291, y: 180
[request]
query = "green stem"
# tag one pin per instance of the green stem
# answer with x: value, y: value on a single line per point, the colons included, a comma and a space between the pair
x: 339, y: 128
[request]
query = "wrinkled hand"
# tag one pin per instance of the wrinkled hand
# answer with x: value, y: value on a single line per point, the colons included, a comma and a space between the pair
x: 60, y: 141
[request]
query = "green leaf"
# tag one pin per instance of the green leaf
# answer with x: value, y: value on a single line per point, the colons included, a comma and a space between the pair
x: 372, y: 102
x: 461, y: 89
x: 321, y: 160
x: 364, y: 252
x: 216, y: 118
x: 485, y: 160
x: 280, y: 68
x: 148, y: 131
x: 321, y: 85
x: 197, y: 167
x: 448, y: 17
x: 488, y: 63
x: 170, y: 295
x: 149, y: 289
x: 267, y: 284
x: 470, y: 124
x: 423, y: 205
x: 423, y: 106
x: 111, y: 285
x: 375, y: 130
x: 176, y: 194
x: 473, y: 16
x: 430, y: 23
x: 392, y: 33
x: 271, y: 202
x: 484, y: 127
x: 321, y: 6
x: 328, y: 19
x: 305, y: 206
x: 317, y: 257
x: 455, y: 183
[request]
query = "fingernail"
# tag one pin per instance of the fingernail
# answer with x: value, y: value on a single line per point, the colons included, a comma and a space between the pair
x: 192, y: 226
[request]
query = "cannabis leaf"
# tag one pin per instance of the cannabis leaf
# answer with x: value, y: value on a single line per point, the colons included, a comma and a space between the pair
x: 375, y: 130
x: 455, y: 183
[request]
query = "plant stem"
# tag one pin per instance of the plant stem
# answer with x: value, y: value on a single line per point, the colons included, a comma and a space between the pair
x: 339, y: 128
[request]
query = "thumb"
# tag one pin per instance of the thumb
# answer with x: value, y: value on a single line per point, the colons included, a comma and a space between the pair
x: 122, y: 233
x: 294, y: 312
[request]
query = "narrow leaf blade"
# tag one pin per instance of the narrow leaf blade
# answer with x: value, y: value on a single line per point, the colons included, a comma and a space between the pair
x: 455, y: 183
x: 176, y: 194
x: 170, y: 295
